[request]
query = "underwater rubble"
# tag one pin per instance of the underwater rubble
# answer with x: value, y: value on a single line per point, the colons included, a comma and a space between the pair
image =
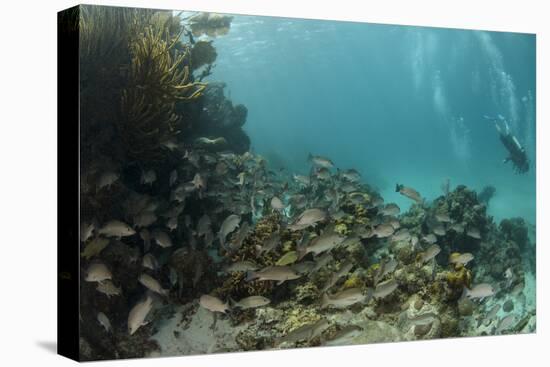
x: 192, y: 244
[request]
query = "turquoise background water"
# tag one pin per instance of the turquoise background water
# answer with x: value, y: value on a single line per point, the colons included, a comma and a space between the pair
x: 400, y: 104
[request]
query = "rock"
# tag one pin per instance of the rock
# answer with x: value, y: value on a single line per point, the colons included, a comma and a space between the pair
x: 465, y: 307
x: 508, y: 306
x: 422, y: 330
x: 377, y: 332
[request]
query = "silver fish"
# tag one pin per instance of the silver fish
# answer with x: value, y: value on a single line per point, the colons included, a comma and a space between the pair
x: 480, y: 291
x: 270, y: 243
x: 148, y: 177
x: 173, y: 211
x: 509, y: 276
x: 86, y: 231
x: 377, y: 201
x: 348, y: 187
x: 144, y: 219
x: 308, y: 218
x: 320, y: 161
x: 505, y: 323
x: 351, y: 240
x: 422, y: 319
x: 383, y: 230
x: 345, y: 336
x: 277, y: 273
x: 385, y: 288
x: 152, y: 284
x: 146, y: 237
x: 338, y: 214
x: 430, y: 253
x: 107, y: 179
x: 457, y: 227
x: 173, y: 276
x: 116, y: 228
x: 221, y: 169
x: 204, y: 225
x: 241, y: 266
x: 394, y: 222
x: 138, y: 313
x: 344, y: 269
x: 409, y: 192
x: 98, y: 272
x: 474, y: 233
x: 149, y: 262
x: 305, y: 332
x: 173, y: 178
x: 491, y: 314
x: 390, y: 209
x: 162, y: 239
x: 439, y: 229
x: 302, y: 180
x: 343, y: 299
x: 229, y: 225
x: 462, y: 259
x: 199, y: 182
x: 323, y: 243
x: 178, y: 194
x: 430, y: 238
x: 402, y: 235
x: 277, y: 204
x: 299, y: 201
x: 193, y: 158
x: 357, y: 198
x: 414, y: 242
x: 443, y: 217
x: 303, y: 267
x: 518, y: 288
x: 94, y: 247
x: 387, y: 267
x: 108, y: 288
x: 351, y: 175
x: 241, y: 235
x: 104, y: 321
x: 172, y: 223
x: 321, y: 261
x: 213, y: 304
x: 252, y: 302
x: 206, y: 142
x: 170, y: 144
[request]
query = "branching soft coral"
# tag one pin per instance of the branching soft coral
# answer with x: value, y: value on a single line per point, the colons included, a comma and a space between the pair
x: 158, y: 78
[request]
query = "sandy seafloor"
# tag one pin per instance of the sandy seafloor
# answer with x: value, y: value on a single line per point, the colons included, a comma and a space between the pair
x: 196, y: 335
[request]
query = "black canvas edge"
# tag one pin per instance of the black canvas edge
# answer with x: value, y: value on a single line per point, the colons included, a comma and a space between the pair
x: 68, y: 183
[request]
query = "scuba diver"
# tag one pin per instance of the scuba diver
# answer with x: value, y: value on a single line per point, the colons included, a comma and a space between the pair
x: 516, y: 152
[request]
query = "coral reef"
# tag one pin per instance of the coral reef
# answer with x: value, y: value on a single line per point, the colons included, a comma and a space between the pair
x: 219, y: 117
x: 486, y: 194
x: 176, y: 210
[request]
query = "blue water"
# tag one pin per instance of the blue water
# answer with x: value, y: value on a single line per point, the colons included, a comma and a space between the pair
x: 400, y: 104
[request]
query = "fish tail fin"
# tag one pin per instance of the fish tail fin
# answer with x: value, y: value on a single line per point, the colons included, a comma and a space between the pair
x: 465, y: 293
x: 250, y: 276
x: 398, y: 187
x: 301, y: 251
x: 370, y: 295
x: 324, y: 300
x: 231, y: 302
